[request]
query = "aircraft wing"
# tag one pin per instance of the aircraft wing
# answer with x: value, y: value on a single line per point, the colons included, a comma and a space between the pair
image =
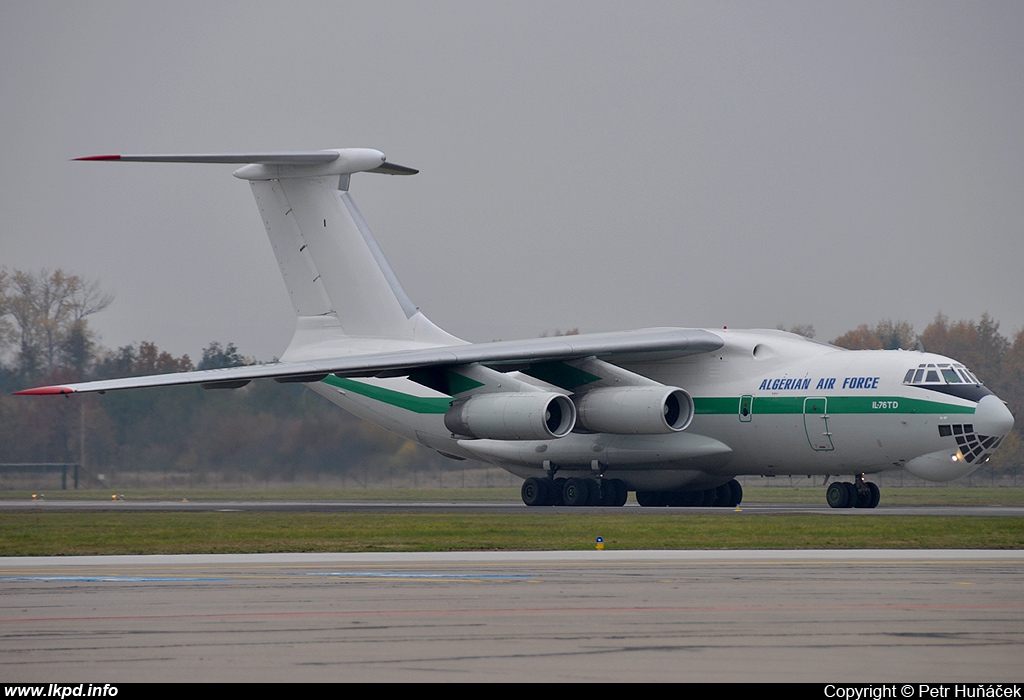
x: 652, y: 343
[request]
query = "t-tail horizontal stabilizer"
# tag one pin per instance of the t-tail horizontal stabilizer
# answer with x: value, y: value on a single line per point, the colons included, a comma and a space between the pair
x: 345, y: 160
x: 340, y: 284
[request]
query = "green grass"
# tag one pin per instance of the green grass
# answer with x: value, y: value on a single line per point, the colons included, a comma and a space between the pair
x: 896, y: 495
x: 55, y: 532
x: 70, y: 533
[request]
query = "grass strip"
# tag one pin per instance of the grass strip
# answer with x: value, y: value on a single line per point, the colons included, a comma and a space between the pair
x: 78, y: 533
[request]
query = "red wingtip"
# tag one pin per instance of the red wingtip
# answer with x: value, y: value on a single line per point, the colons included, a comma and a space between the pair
x: 45, y: 391
x: 98, y: 158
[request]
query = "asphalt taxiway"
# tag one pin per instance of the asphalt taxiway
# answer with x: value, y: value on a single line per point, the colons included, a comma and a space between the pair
x: 601, y: 616
x: 629, y: 510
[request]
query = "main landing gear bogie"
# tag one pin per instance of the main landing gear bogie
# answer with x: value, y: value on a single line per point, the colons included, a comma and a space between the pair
x: 727, y: 495
x: 861, y: 494
x: 578, y: 491
x: 538, y: 491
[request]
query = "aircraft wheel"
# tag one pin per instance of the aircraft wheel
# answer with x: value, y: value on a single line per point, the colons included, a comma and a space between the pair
x: 613, y: 492
x: 691, y: 499
x: 723, y: 496
x: 876, y: 494
x: 595, y: 497
x: 651, y: 499
x: 557, y: 487
x: 685, y: 499
x: 836, y: 495
x: 851, y: 494
x: 737, y: 492
x: 576, y: 492
x: 536, y: 492
x: 621, y: 492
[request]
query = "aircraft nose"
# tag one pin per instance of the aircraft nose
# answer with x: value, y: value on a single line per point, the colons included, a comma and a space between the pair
x: 992, y: 417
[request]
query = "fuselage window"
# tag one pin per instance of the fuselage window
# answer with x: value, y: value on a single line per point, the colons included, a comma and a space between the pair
x: 951, y: 377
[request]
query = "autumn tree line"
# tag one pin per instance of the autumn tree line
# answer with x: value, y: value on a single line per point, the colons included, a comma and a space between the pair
x: 996, y: 360
x: 260, y: 433
x: 279, y: 432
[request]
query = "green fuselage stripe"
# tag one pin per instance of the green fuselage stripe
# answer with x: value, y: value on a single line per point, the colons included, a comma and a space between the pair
x: 560, y: 374
x: 416, y: 404
x: 768, y: 405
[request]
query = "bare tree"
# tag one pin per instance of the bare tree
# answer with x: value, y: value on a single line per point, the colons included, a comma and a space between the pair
x: 49, y: 311
x: 886, y: 335
x: 7, y: 332
x: 804, y: 329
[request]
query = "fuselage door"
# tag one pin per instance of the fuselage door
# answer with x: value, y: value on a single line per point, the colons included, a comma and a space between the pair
x: 746, y: 408
x: 816, y: 423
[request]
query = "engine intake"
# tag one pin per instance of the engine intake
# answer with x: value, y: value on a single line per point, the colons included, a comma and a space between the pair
x: 635, y: 410
x: 512, y: 416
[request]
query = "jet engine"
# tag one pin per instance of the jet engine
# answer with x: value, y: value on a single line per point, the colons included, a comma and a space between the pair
x: 635, y: 410
x: 512, y: 416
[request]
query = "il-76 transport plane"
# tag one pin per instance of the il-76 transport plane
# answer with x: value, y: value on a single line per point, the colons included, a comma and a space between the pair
x: 674, y: 414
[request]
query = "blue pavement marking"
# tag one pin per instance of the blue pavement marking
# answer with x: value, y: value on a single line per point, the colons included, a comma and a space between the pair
x: 401, y: 574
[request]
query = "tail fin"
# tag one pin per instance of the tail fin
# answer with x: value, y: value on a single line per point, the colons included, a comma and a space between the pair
x: 345, y: 294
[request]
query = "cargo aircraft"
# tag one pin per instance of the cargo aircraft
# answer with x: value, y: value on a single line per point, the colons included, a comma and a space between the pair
x: 673, y: 414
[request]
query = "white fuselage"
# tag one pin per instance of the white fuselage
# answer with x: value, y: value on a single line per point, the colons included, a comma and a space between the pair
x: 766, y: 403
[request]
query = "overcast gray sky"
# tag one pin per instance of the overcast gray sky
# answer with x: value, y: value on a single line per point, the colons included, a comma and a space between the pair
x: 592, y: 164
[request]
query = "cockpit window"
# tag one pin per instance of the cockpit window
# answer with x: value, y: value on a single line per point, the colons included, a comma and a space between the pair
x: 943, y: 373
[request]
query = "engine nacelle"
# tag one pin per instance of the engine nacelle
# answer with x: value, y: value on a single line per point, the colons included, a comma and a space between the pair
x: 635, y: 410
x: 513, y: 416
